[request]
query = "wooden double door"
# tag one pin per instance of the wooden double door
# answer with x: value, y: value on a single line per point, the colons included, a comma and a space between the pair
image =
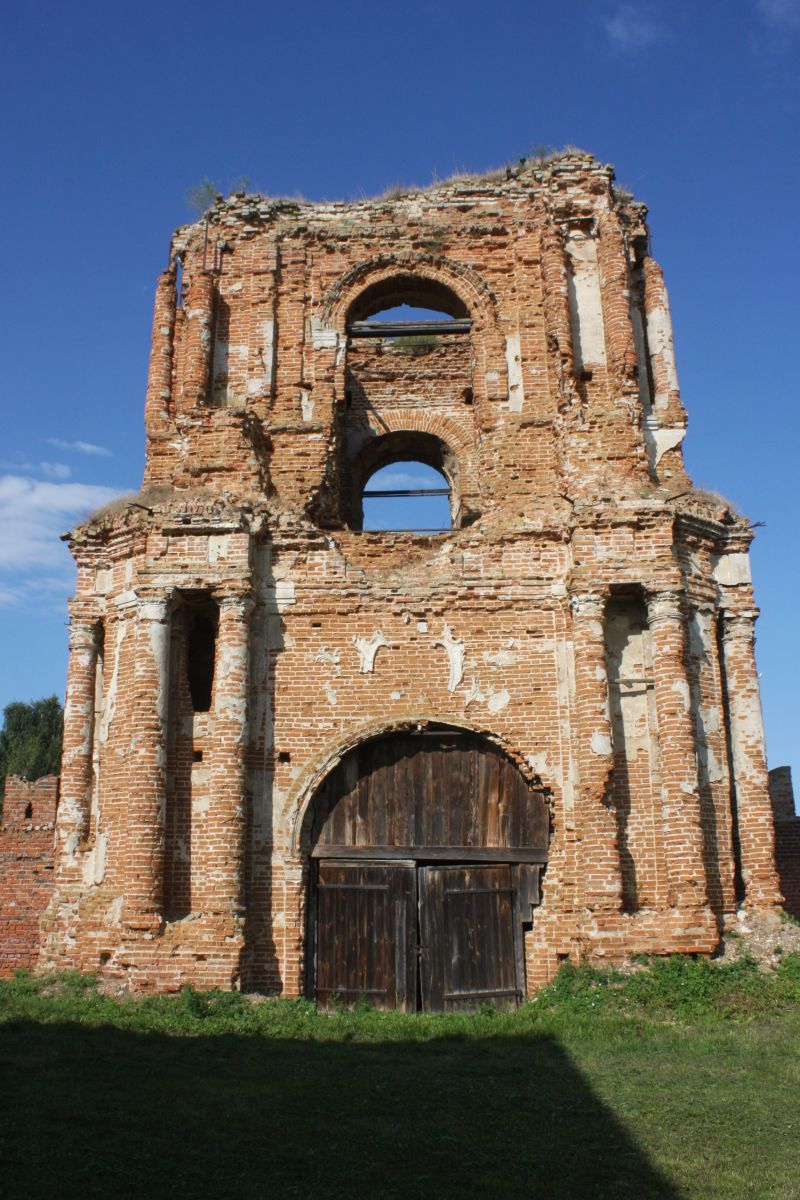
x: 409, y: 936
x: 426, y: 849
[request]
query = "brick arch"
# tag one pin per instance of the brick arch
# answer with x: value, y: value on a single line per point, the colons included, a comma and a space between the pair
x: 301, y: 803
x: 466, y: 285
x: 462, y: 449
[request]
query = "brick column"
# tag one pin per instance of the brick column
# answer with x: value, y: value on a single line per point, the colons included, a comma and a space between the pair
x: 224, y: 858
x: 615, y: 289
x: 76, y: 761
x: 556, y: 305
x: 596, y: 822
x: 159, y: 378
x: 748, y: 757
x: 199, y: 337
x: 143, y: 865
x: 666, y: 398
x: 680, y: 794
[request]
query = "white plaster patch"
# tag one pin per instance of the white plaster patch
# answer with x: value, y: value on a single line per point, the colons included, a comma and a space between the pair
x: 367, y: 649
x: 268, y: 349
x: 454, y: 648
x: 539, y: 763
x: 474, y: 693
x: 102, y: 580
x: 492, y: 377
x: 284, y: 594
x: 306, y: 404
x: 331, y: 657
x: 395, y: 695
x: 659, y: 338
x: 422, y: 626
x: 681, y: 687
x: 498, y: 700
x: 732, y: 569
x: 114, y: 911
x: 600, y: 743
x: 330, y: 694
x: 504, y: 657
x: 659, y: 440
x: 516, y: 393
x: 322, y: 336
x: 586, y: 307
x: 218, y: 546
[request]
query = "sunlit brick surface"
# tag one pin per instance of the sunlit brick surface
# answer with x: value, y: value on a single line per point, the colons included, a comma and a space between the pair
x: 590, y: 612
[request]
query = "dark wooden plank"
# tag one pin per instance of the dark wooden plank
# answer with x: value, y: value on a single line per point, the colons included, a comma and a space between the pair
x: 431, y: 853
x: 469, y: 937
x: 364, y: 912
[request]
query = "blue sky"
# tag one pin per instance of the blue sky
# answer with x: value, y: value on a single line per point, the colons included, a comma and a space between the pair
x: 112, y: 113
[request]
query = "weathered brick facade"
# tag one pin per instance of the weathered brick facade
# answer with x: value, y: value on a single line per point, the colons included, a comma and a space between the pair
x: 26, y: 867
x: 589, y: 612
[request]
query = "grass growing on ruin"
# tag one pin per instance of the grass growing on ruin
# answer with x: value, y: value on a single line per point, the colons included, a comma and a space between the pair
x: 680, y: 1080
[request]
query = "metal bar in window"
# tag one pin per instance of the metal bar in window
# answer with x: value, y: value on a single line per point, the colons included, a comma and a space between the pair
x: 406, y: 492
x: 406, y: 328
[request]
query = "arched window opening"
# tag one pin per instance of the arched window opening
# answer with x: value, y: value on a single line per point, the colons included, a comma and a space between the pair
x: 405, y: 480
x: 407, y: 306
x: 407, y: 496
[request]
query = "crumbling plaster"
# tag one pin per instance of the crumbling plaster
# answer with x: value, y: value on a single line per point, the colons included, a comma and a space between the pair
x: 560, y: 413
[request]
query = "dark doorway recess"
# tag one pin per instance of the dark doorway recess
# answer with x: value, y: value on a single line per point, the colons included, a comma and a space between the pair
x: 427, y: 848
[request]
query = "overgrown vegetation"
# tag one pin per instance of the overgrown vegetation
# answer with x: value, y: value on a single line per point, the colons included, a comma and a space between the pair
x: 680, y: 1079
x: 30, y: 740
x: 412, y: 343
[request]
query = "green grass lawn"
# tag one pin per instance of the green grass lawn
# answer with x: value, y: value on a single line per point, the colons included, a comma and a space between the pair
x: 679, y: 1081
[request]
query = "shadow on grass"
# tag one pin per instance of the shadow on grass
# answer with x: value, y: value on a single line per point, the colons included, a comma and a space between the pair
x: 105, y: 1112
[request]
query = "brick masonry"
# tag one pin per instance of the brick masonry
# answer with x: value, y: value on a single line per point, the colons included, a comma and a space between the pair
x: 590, y: 612
x: 26, y: 867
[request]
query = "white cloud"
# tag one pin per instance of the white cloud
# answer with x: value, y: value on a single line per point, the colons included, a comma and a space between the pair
x: 55, y: 470
x: 387, y: 480
x: 82, y: 448
x: 630, y: 28
x: 33, y: 514
x: 784, y: 14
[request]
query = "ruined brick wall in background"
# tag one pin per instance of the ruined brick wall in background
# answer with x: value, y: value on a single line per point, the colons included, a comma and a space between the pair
x: 234, y: 631
x: 787, y: 837
x: 26, y: 867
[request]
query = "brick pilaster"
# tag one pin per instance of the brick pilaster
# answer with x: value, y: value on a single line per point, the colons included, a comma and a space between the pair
x: 748, y: 758
x: 596, y: 821
x: 76, y: 762
x: 680, y: 796
x: 199, y: 340
x: 224, y: 857
x: 159, y: 378
x: 143, y: 869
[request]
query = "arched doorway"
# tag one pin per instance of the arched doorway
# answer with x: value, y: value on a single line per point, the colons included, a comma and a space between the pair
x: 426, y: 847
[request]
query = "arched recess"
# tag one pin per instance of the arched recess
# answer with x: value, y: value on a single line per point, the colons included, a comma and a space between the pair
x: 426, y: 848
x: 384, y: 277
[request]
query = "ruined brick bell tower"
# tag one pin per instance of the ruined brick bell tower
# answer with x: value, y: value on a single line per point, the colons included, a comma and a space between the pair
x: 302, y: 756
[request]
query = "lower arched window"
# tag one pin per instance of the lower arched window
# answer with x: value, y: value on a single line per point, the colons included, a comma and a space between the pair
x: 405, y: 480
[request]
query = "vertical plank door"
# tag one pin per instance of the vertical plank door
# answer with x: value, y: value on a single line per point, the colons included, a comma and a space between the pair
x: 470, y: 950
x: 366, y: 934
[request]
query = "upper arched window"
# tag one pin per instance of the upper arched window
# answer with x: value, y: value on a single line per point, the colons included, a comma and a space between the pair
x: 411, y: 291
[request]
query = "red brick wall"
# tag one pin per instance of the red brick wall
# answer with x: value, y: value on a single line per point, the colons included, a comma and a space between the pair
x: 26, y: 867
x: 182, y: 845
